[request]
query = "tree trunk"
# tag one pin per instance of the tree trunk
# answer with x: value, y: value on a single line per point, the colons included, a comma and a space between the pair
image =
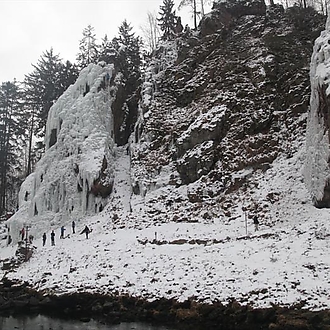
x: 29, y: 166
x: 195, y: 15
x: 202, y: 8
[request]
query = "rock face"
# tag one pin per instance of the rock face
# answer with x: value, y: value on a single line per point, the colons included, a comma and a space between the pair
x: 225, y: 12
x: 317, y: 169
x: 234, y: 99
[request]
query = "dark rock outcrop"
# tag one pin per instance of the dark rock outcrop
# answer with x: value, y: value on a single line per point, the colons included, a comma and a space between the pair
x: 235, y: 98
x: 224, y: 14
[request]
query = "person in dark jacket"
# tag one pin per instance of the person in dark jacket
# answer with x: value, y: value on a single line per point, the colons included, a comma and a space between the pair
x: 44, y: 237
x: 52, y: 237
x: 86, y: 231
x: 62, y: 232
x: 73, y: 227
x: 256, y: 223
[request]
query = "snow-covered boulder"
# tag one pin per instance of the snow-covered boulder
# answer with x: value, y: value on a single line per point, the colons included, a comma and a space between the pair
x: 317, y: 167
x: 75, y: 175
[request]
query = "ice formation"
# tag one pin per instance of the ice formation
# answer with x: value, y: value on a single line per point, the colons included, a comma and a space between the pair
x: 75, y: 175
x: 317, y: 169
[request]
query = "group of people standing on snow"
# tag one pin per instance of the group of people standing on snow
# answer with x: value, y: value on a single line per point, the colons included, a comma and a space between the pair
x: 85, y: 231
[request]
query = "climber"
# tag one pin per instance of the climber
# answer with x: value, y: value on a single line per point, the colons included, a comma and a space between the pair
x: 86, y: 231
x: 256, y: 223
x: 22, y: 232
x: 62, y: 232
x: 73, y: 227
x: 52, y: 237
x: 44, y: 237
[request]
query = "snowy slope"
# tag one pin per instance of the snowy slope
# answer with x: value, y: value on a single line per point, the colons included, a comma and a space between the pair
x: 282, y: 264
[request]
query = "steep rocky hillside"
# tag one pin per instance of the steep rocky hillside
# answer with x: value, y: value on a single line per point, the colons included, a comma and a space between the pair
x: 231, y: 99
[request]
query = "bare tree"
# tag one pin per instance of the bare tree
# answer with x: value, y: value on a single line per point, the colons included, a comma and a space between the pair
x: 197, y: 7
x: 151, y: 31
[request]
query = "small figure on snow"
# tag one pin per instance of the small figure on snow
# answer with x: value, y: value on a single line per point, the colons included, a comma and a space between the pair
x: 52, y: 237
x: 73, y: 227
x: 86, y: 231
x: 22, y: 233
x: 256, y: 223
x: 62, y: 232
x: 44, y: 237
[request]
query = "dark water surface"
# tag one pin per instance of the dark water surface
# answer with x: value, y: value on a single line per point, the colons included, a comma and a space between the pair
x: 40, y: 322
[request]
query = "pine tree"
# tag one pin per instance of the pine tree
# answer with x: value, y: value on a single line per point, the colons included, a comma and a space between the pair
x: 88, y: 49
x: 42, y: 87
x: 68, y: 76
x: 128, y: 63
x: 107, y: 52
x: 167, y: 20
x: 12, y: 137
x: 128, y: 59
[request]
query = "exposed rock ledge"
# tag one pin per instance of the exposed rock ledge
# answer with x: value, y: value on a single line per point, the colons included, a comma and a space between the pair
x: 16, y: 297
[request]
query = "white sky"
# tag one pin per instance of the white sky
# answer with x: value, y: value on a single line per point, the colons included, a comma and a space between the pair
x: 30, y: 27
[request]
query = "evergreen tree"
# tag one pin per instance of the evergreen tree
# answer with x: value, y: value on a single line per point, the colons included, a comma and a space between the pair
x: 128, y: 59
x: 128, y: 63
x: 68, y: 76
x: 88, y: 49
x: 42, y: 88
x: 167, y: 20
x: 107, y: 52
x: 12, y: 133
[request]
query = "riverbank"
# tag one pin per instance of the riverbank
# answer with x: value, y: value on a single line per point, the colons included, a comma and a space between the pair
x: 19, y: 298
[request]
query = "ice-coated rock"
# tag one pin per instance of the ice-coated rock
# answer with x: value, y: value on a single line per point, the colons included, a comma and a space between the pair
x: 75, y: 175
x: 317, y: 168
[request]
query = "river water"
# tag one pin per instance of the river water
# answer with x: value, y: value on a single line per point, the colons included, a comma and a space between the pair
x: 40, y: 322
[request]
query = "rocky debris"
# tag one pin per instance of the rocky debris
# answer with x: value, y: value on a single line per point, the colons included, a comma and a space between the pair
x: 23, y: 253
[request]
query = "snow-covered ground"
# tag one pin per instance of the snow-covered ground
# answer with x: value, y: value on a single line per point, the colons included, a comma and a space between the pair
x: 285, y: 262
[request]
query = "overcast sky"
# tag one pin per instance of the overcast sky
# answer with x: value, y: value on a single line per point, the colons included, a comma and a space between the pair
x: 29, y: 27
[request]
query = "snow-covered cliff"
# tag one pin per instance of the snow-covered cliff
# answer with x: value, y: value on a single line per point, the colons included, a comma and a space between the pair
x: 75, y: 175
x: 317, y: 168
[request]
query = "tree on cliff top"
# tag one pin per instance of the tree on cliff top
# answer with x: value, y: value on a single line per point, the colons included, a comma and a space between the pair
x: 127, y: 48
x: 167, y: 20
x: 88, y: 49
